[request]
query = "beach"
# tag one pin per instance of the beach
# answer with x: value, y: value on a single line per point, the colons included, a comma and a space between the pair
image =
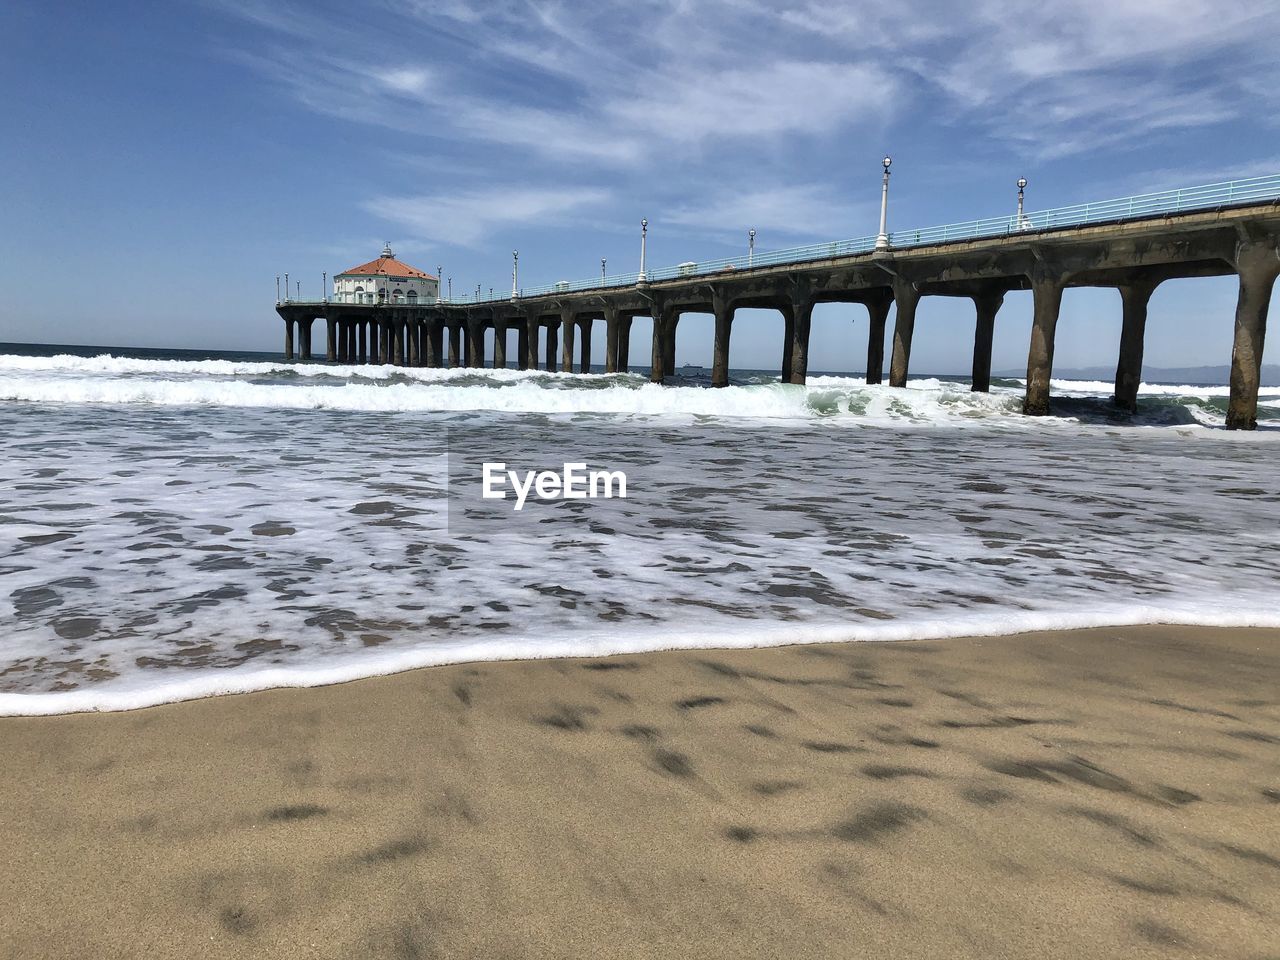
x: 1103, y: 792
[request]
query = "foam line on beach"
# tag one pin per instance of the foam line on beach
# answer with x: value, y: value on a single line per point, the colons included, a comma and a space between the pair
x: 613, y: 643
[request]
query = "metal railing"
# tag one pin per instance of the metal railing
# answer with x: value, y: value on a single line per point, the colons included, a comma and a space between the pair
x: 1208, y: 196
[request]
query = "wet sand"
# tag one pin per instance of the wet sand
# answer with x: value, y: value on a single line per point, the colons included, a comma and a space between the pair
x: 1101, y: 793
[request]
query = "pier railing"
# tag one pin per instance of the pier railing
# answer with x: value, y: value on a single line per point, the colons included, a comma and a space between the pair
x: 1208, y: 196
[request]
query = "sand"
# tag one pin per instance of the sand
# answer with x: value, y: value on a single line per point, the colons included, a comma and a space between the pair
x: 1100, y: 793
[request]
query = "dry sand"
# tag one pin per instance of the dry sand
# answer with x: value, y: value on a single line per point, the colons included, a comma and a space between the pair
x: 1102, y: 793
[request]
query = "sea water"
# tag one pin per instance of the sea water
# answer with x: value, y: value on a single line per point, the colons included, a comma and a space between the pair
x: 173, y: 528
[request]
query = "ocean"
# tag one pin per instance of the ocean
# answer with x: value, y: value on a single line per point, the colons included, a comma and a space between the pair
x: 176, y: 524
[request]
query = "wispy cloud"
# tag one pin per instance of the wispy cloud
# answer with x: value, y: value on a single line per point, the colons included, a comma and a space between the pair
x: 656, y: 94
x: 467, y: 219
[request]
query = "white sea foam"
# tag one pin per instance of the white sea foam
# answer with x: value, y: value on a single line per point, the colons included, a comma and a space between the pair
x: 171, y: 530
x: 219, y: 383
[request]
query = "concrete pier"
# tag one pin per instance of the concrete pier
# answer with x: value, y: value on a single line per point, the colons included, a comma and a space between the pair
x: 552, y: 334
x: 1046, y: 289
x: 905, y: 300
x: 877, y: 313
x: 1131, y: 254
x: 1134, y: 296
x: 800, y: 311
x: 986, y: 305
x: 584, y: 346
x: 499, y: 346
x: 455, y: 345
x: 723, y: 312
x: 566, y: 347
x: 1257, y: 261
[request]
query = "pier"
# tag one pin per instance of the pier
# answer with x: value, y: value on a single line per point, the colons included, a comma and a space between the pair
x: 1132, y: 245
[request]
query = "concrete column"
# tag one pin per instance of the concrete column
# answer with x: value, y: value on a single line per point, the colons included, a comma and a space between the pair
x: 878, y: 313
x: 720, y: 350
x: 663, y: 318
x: 375, y: 342
x: 475, y: 343
x: 987, y: 305
x: 331, y: 339
x: 435, y: 343
x: 288, y: 339
x: 411, y: 344
x: 624, y: 344
x: 1257, y: 264
x: 905, y: 298
x: 351, y: 340
x: 801, y: 318
x: 1134, y: 297
x: 455, y: 345
x: 584, y: 346
x: 388, y: 336
x: 553, y: 331
x: 669, y: 344
x: 499, y: 346
x: 611, y: 324
x: 342, y: 340
x: 1047, y: 292
x: 362, y: 340
x: 566, y: 348
x: 397, y: 346
x: 522, y: 345
x: 304, y: 338
x: 788, y: 343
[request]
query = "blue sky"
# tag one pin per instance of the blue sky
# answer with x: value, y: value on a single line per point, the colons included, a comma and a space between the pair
x: 163, y: 162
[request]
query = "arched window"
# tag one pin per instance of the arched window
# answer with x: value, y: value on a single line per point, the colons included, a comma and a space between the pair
x: 397, y: 295
x: 412, y: 296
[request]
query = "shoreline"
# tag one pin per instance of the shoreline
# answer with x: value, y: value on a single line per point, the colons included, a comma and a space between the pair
x: 213, y: 683
x: 1102, y: 792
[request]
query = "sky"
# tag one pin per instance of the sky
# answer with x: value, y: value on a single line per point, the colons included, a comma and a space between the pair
x: 164, y: 162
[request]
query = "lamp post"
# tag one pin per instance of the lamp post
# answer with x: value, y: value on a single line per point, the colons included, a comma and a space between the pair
x: 286, y: 288
x: 324, y: 286
x: 477, y: 293
x: 277, y: 288
x: 603, y: 261
x: 515, y: 273
x: 882, y: 238
x: 451, y: 289
x: 644, y: 234
x: 751, y: 245
x: 1022, y: 186
x: 298, y: 284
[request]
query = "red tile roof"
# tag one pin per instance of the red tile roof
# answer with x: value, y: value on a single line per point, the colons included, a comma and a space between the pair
x: 386, y: 266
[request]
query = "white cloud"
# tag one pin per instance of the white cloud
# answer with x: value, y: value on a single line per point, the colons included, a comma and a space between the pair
x: 467, y: 219
x: 778, y: 213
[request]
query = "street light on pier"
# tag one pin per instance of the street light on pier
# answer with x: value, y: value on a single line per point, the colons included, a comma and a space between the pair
x: 882, y: 238
x: 477, y: 293
x: 515, y: 273
x: 1022, y: 186
x: 751, y: 246
x: 324, y: 286
x: 451, y: 289
x: 644, y: 234
x: 286, y: 288
x: 603, y: 261
x: 277, y: 288
x: 298, y: 284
